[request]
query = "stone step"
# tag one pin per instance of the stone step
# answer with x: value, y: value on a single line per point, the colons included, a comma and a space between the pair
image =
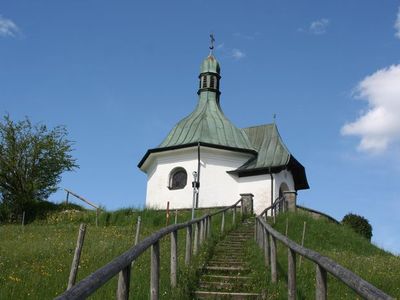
x: 224, y: 286
x: 224, y: 259
x: 220, y: 278
x: 227, y: 264
x: 226, y: 295
x: 231, y: 270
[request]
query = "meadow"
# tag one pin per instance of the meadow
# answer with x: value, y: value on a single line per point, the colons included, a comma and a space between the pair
x: 35, y: 259
x: 342, y: 244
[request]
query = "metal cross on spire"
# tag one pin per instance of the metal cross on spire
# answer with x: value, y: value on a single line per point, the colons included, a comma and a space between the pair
x: 212, y: 40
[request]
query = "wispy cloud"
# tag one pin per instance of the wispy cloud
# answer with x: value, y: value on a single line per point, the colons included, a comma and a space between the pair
x: 379, y: 126
x: 8, y: 28
x: 238, y: 54
x: 317, y: 27
x: 397, y: 24
x: 234, y: 53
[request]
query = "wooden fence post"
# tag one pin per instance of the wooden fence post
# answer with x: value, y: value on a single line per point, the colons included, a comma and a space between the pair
x: 124, y: 279
x: 302, y: 241
x: 196, y: 238
x: 139, y: 221
x: 291, y: 274
x: 274, y: 274
x: 266, y: 248
x: 188, y: 250
x: 77, y: 256
x: 321, y: 283
x: 174, y: 257
x: 256, y: 231
x: 223, y: 222
x: 202, y: 230
x: 155, y: 271
x: 209, y: 227
x: 234, y: 215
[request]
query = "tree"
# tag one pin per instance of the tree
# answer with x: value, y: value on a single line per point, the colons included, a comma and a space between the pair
x: 32, y: 159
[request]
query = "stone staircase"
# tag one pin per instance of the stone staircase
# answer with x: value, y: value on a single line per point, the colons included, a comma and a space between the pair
x: 226, y: 274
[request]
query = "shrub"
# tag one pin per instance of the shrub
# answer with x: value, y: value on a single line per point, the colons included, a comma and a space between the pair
x: 359, y: 224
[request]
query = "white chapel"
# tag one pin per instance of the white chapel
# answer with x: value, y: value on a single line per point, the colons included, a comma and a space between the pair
x: 207, y: 158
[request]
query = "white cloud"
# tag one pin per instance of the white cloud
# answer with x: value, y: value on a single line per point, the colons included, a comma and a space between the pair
x: 319, y: 27
x: 237, y: 54
x: 8, y: 28
x: 379, y: 126
x: 397, y: 24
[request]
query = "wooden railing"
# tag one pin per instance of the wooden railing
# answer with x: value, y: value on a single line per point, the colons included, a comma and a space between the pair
x: 266, y: 238
x: 122, y: 264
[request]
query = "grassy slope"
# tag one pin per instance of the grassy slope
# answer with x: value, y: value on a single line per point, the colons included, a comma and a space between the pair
x: 35, y: 261
x: 340, y: 243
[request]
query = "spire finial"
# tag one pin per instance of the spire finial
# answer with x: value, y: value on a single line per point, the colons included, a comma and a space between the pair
x: 212, y: 40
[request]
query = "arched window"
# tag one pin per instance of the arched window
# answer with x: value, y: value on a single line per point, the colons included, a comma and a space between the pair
x: 177, y: 179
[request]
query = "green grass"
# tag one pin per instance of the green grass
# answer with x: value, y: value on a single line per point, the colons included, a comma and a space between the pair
x: 338, y: 242
x: 35, y: 260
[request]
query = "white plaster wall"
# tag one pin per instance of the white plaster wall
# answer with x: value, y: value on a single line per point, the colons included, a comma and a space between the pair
x: 218, y: 188
x: 260, y: 187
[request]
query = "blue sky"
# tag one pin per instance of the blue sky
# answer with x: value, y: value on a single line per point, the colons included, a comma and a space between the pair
x: 120, y: 74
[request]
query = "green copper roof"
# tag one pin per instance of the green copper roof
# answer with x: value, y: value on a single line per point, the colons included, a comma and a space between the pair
x: 272, y: 156
x: 272, y: 152
x: 207, y: 124
x: 210, y: 64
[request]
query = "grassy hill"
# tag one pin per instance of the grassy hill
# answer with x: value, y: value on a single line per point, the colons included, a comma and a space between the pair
x: 340, y: 243
x: 35, y: 260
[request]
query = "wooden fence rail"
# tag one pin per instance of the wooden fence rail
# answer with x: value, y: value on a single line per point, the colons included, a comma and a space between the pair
x: 266, y: 238
x: 122, y: 263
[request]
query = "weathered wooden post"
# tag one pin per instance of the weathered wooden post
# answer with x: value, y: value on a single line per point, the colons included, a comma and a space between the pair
x: 174, y: 257
x: 302, y: 241
x: 291, y: 274
x: 205, y: 228
x: 321, y: 283
x: 124, y: 278
x: 139, y: 221
x: 234, y: 215
x: 188, y: 249
x: 223, y: 222
x: 266, y: 248
x: 201, y: 235
x: 274, y: 274
x: 255, y: 230
x: 209, y: 227
x: 196, y: 238
x: 167, y: 215
x: 155, y: 271
x: 176, y: 216
x: 67, y: 198
x: 23, y: 219
x: 77, y: 256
